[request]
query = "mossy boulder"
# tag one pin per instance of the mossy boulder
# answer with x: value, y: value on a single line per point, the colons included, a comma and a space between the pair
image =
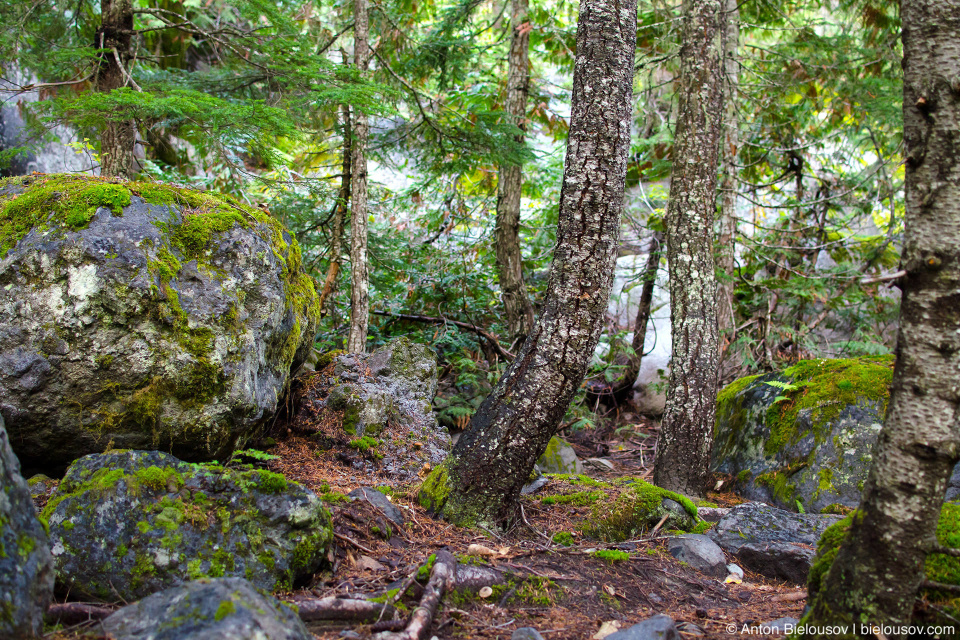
x: 374, y: 409
x: 26, y: 566
x: 803, y: 435
x: 559, y: 458
x: 126, y: 524
x: 224, y: 608
x: 152, y: 316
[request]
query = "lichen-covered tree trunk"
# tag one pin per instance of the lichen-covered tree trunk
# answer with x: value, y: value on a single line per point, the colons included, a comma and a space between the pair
x: 726, y: 238
x: 516, y: 303
x: 878, y: 568
x: 686, y: 434
x: 359, y: 269
x: 117, y: 139
x: 339, y: 213
x: 480, y: 482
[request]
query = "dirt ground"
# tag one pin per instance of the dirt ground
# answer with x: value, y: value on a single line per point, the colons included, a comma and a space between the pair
x: 562, y: 591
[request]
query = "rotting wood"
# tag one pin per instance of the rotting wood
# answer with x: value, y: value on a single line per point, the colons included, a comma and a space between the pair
x: 71, y: 613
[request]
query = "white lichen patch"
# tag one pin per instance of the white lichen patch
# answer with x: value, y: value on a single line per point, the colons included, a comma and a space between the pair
x: 83, y: 283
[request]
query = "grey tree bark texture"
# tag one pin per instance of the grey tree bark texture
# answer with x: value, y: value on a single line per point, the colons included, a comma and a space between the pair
x: 480, y: 481
x: 727, y: 235
x: 513, y: 290
x: 879, y: 567
x: 359, y: 269
x: 339, y: 212
x: 117, y: 139
x: 686, y: 432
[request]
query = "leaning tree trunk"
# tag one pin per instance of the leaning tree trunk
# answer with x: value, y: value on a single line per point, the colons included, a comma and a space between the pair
x: 481, y: 480
x: 359, y: 269
x: 516, y: 303
x: 726, y: 238
x: 686, y: 434
x: 117, y: 139
x: 878, y: 568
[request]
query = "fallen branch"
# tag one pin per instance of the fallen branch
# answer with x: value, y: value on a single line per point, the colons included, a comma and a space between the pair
x: 332, y: 608
x: 71, y: 613
x: 940, y: 586
x: 947, y: 551
x: 340, y: 536
x: 442, y: 578
x: 486, y: 335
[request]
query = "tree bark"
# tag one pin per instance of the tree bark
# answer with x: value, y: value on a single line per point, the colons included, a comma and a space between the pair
x: 343, y: 197
x: 620, y: 388
x: 726, y: 238
x: 878, y: 568
x: 481, y: 480
x: 117, y: 139
x: 513, y: 290
x: 359, y: 269
x: 686, y: 434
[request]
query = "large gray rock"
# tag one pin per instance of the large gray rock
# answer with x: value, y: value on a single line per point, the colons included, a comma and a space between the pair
x: 805, y: 434
x: 700, y: 552
x: 374, y: 410
x: 144, y: 315
x: 126, y: 524
x: 659, y: 627
x: 219, y: 609
x: 26, y: 566
x: 772, y: 542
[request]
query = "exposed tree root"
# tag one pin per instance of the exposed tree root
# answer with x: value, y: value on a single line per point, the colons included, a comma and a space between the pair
x: 442, y: 579
x: 71, y: 613
x: 314, y: 609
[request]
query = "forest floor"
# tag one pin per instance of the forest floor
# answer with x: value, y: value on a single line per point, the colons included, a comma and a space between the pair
x: 562, y: 591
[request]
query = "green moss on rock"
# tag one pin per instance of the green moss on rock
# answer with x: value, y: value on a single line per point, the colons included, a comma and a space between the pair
x: 637, y: 509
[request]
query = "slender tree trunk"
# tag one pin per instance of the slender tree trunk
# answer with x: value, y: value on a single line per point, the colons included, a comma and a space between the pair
x: 879, y: 566
x: 728, y: 186
x: 343, y: 198
x: 359, y: 269
x: 117, y: 139
x: 686, y: 434
x: 645, y: 307
x: 620, y: 388
x: 481, y: 480
x: 516, y: 303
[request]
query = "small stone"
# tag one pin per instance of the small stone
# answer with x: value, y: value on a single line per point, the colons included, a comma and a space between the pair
x: 735, y: 570
x: 526, y: 633
x: 559, y: 458
x: 700, y: 552
x: 781, y: 625
x: 658, y: 627
x: 381, y: 502
x: 536, y: 485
